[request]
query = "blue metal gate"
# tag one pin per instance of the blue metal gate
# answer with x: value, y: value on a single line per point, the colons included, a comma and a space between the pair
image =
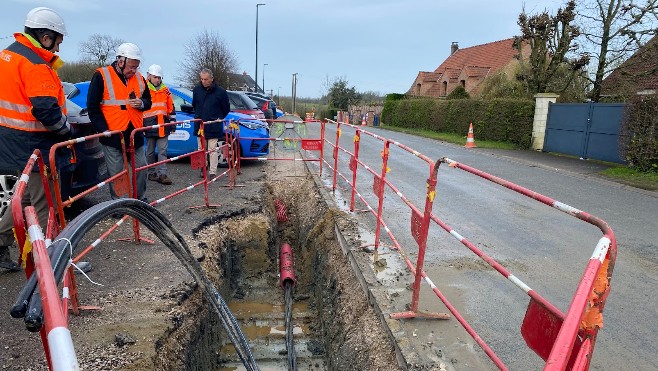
x: 586, y: 130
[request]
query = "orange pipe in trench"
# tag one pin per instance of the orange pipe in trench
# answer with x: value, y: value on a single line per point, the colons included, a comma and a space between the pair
x: 286, y: 262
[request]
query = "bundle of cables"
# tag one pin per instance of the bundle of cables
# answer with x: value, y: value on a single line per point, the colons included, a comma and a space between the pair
x: 28, y: 304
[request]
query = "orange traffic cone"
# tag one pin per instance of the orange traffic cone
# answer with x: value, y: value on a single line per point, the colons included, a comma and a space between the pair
x: 363, y: 121
x: 470, y: 140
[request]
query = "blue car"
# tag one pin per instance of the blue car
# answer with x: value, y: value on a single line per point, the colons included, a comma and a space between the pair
x: 183, y: 141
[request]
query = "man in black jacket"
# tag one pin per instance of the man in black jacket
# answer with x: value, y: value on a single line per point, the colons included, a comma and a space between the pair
x: 210, y: 102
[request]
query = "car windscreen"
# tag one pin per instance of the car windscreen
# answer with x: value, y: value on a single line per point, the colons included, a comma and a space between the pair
x: 70, y: 90
x: 240, y: 101
x: 180, y: 96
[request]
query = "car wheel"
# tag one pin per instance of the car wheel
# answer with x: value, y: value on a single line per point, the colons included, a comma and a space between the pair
x: 7, y: 188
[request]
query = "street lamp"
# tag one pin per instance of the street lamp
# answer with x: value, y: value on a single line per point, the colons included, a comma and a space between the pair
x: 256, y: 77
x: 264, y: 64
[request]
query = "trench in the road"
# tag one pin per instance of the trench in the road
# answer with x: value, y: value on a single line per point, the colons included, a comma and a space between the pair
x: 333, y: 325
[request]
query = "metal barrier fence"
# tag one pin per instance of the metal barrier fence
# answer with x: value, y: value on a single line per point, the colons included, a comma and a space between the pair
x: 563, y: 341
x: 197, y: 162
x: 54, y: 332
x: 292, y: 135
x: 31, y: 252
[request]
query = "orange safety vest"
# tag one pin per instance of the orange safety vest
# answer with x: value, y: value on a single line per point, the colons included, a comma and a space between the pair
x: 114, y: 105
x: 161, y: 105
x: 26, y: 71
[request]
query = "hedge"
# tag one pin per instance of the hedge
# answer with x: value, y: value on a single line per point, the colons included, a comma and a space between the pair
x: 640, y: 127
x: 505, y: 120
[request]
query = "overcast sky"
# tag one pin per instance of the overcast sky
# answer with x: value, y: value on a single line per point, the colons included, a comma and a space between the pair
x: 376, y: 45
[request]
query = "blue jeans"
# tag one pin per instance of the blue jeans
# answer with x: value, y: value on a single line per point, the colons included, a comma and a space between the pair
x: 114, y: 162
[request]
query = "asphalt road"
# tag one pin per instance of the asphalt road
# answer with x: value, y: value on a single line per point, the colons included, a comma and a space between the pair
x: 545, y: 248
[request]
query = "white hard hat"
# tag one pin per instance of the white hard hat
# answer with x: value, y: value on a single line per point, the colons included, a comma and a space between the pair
x: 155, y: 70
x: 43, y: 17
x: 129, y: 50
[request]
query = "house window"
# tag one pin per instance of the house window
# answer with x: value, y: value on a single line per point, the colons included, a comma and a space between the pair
x: 463, y: 83
x: 445, y: 88
x: 417, y: 89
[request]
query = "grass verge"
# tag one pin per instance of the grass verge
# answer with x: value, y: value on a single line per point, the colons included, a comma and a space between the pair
x: 451, y: 138
x: 648, y: 181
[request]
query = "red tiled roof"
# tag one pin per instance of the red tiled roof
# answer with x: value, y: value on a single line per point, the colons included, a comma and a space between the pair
x: 637, y: 73
x: 473, y: 71
x: 429, y: 76
x: 494, y: 55
x: 472, y: 65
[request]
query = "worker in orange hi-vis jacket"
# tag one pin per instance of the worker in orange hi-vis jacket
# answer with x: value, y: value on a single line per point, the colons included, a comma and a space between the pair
x: 162, y: 111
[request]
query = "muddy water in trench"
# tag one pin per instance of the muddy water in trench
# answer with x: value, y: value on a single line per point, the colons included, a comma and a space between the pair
x: 334, y: 325
x: 258, y: 300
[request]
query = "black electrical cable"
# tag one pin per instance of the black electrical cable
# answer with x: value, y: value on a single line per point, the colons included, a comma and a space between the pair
x: 156, y: 222
x: 290, y: 344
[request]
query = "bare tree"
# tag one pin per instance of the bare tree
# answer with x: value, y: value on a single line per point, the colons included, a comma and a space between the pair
x: 99, y: 49
x: 207, y: 50
x: 551, y: 43
x: 614, y: 30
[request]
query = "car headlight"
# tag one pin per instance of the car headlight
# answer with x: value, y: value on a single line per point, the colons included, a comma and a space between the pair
x: 251, y: 125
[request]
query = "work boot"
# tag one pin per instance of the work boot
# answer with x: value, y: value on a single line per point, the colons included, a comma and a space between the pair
x: 83, y: 266
x: 164, y: 179
x: 5, y: 260
x: 153, y: 177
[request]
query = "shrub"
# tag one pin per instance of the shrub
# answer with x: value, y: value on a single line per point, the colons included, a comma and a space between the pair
x: 458, y: 93
x: 640, y: 128
x: 76, y: 72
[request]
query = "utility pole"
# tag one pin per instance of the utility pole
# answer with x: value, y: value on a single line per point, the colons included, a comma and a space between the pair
x: 256, y: 76
x: 294, y: 92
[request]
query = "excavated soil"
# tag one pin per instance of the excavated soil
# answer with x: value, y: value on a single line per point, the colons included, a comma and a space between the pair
x: 148, y: 314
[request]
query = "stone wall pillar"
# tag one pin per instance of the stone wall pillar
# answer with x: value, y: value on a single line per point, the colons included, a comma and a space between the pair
x: 542, y: 100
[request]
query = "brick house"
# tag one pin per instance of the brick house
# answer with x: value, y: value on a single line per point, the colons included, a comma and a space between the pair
x: 637, y: 75
x: 467, y: 67
x: 244, y: 82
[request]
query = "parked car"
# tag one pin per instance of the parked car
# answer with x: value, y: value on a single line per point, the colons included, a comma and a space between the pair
x: 266, y: 105
x: 77, y: 92
x: 183, y: 140
x: 241, y: 103
x: 7, y: 188
x: 89, y: 168
x: 272, y: 104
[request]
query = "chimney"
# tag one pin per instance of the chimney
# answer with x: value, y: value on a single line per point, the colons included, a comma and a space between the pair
x: 454, y: 47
